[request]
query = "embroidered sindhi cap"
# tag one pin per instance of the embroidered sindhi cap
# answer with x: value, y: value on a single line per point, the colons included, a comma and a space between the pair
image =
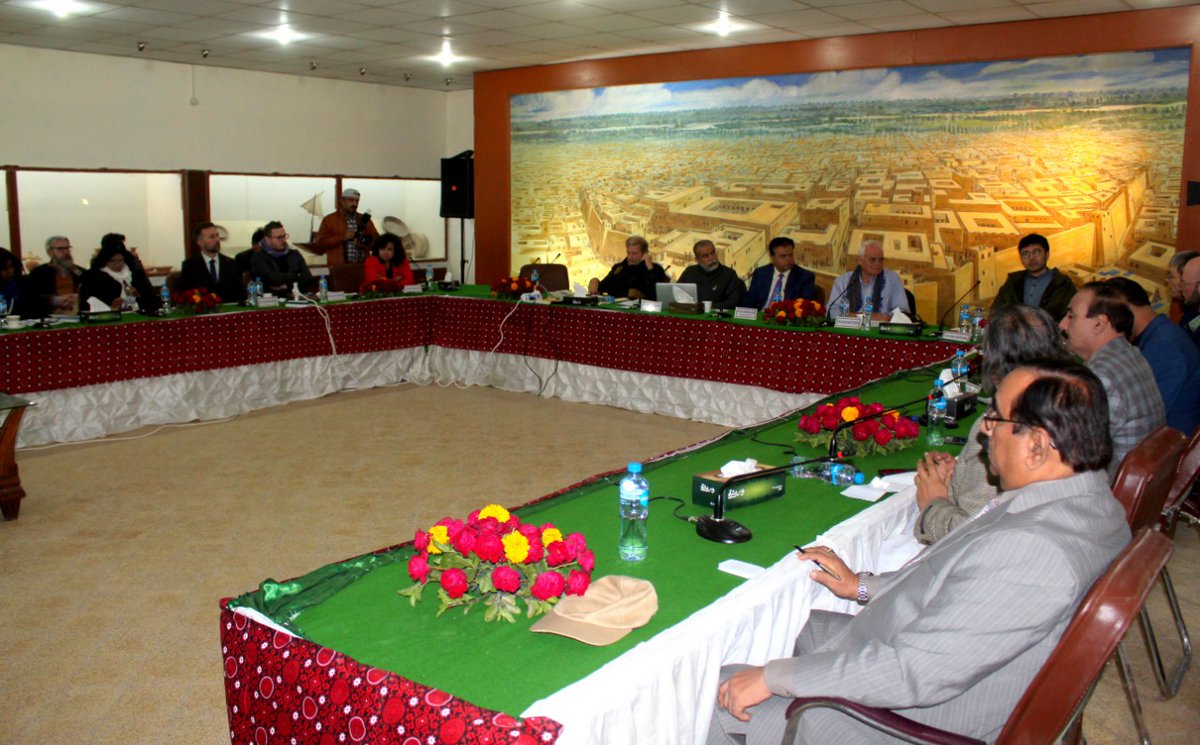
x: 611, y: 608
x: 350, y: 194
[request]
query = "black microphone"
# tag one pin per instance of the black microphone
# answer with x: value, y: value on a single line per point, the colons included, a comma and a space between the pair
x: 556, y: 257
x: 942, y: 320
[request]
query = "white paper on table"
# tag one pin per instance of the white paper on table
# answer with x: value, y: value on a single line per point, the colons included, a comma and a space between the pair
x: 894, y: 481
x: 863, y: 492
x: 739, y: 568
x: 96, y: 305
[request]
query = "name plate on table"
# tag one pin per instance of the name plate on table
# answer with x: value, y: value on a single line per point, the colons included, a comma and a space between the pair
x: 413, y: 288
x: 961, y: 337
x: 705, y: 487
x: 651, y: 306
x: 847, y: 322
x: 331, y: 296
x: 745, y: 314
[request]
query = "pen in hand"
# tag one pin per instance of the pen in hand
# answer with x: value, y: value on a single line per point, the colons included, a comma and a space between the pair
x: 820, y: 566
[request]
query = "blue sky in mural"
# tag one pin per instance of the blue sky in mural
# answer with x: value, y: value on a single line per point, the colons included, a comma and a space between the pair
x: 1126, y: 71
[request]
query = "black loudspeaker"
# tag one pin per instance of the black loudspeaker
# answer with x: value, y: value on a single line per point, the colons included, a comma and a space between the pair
x: 1193, y: 193
x: 458, y: 187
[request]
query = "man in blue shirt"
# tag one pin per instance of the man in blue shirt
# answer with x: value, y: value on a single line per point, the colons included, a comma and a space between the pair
x: 1173, y: 358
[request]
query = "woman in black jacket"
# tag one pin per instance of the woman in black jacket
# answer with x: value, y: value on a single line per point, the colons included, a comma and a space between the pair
x: 117, y: 278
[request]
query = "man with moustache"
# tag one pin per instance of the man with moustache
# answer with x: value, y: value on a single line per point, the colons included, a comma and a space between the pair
x: 714, y: 282
x: 53, y: 288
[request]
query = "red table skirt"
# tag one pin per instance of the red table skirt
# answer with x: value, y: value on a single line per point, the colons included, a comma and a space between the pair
x: 283, y: 689
x: 776, y: 358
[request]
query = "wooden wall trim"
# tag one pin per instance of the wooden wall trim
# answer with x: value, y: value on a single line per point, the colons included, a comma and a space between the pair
x: 14, y: 216
x: 1110, y: 32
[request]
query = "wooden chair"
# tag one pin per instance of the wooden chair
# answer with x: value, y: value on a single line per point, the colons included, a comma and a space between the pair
x: 1182, y: 484
x: 172, y: 281
x: 551, y: 277
x: 1053, y: 704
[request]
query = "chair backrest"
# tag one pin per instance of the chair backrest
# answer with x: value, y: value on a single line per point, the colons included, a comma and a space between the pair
x: 346, y: 277
x: 1144, y: 478
x: 173, y: 281
x: 1100, y: 622
x: 551, y: 277
x: 1185, y: 478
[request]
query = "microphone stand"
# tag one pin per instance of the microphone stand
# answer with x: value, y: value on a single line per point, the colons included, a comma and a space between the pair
x: 716, y: 527
x: 942, y: 320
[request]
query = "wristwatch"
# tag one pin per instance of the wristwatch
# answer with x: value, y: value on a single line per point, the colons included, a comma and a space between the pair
x: 862, y: 587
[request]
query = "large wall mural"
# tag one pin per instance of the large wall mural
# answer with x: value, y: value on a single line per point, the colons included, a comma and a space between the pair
x: 947, y: 165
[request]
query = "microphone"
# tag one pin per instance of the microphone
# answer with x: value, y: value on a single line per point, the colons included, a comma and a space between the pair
x: 556, y: 258
x: 942, y: 320
x: 716, y: 528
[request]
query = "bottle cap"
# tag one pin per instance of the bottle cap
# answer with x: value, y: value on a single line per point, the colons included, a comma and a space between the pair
x: 858, y: 477
x: 635, y: 467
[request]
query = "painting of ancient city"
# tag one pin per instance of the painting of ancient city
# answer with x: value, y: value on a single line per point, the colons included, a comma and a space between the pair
x: 947, y: 165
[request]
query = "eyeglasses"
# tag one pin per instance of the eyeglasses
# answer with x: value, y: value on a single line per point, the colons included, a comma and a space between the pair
x: 283, y: 237
x: 992, y: 416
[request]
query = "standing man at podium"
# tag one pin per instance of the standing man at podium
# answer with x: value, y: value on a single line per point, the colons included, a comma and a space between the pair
x: 345, y: 236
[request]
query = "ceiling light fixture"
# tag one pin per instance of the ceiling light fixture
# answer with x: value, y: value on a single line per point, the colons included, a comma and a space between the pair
x: 446, y: 56
x: 723, y: 26
x: 61, y: 8
x: 283, y: 34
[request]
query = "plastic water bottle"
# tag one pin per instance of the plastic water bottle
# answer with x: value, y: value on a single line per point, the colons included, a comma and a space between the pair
x: 935, y: 434
x: 964, y: 319
x: 977, y: 324
x: 254, y: 291
x: 3, y: 307
x: 533, y: 277
x: 428, y: 277
x: 865, y: 320
x: 959, y: 367
x: 323, y: 289
x: 635, y: 506
x: 843, y: 307
x: 839, y: 474
x: 164, y: 294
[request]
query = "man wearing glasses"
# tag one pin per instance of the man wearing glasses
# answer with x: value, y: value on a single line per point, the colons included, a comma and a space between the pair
x: 52, y: 288
x: 1037, y: 285
x: 870, y: 281
x: 279, y: 265
x: 953, y: 638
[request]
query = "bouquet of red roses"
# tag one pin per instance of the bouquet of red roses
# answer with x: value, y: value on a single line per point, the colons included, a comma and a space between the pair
x: 794, y: 312
x: 879, y: 431
x: 495, y: 559
x: 512, y: 287
x: 197, y: 301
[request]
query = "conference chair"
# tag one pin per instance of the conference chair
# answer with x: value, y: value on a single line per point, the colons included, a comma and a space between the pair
x: 172, y: 281
x: 552, y: 277
x: 1141, y: 486
x: 1052, y: 706
x: 1182, y: 484
x: 346, y: 277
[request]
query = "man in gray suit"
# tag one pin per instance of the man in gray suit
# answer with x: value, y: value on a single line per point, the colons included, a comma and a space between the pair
x: 953, y: 638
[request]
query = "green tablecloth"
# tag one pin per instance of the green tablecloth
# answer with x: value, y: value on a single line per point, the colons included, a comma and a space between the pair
x: 502, y: 666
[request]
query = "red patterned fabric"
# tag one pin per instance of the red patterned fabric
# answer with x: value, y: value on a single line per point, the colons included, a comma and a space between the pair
x: 283, y: 689
x: 779, y: 359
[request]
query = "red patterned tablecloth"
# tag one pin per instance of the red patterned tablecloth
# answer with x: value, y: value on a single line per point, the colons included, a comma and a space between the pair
x: 780, y: 359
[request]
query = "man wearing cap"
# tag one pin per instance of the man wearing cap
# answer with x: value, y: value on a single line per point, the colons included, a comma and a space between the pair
x: 954, y: 637
x: 346, y: 235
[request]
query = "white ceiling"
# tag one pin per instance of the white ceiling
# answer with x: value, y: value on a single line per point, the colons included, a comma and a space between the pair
x: 393, y: 39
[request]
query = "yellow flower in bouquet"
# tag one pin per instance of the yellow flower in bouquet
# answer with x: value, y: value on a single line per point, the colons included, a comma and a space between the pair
x: 438, y: 534
x: 516, y: 547
x: 496, y: 511
x: 550, y: 535
x: 849, y: 414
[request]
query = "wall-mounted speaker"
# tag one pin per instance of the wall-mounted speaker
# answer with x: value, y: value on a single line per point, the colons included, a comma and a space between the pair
x: 458, y: 187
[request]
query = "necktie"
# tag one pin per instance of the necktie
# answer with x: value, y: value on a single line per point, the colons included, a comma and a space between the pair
x: 777, y: 291
x: 212, y: 270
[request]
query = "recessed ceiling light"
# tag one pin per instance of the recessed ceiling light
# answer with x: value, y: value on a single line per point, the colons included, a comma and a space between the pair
x: 283, y: 34
x: 723, y: 26
x: 61, y: 8
x: 447, y: 56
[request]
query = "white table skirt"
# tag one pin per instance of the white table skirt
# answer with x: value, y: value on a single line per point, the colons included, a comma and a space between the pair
x: 662, y: 691
x: 89, y: 412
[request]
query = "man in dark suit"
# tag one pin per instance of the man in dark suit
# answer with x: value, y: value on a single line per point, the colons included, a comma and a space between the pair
x: 211, y: 269
x: 781, y: 280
